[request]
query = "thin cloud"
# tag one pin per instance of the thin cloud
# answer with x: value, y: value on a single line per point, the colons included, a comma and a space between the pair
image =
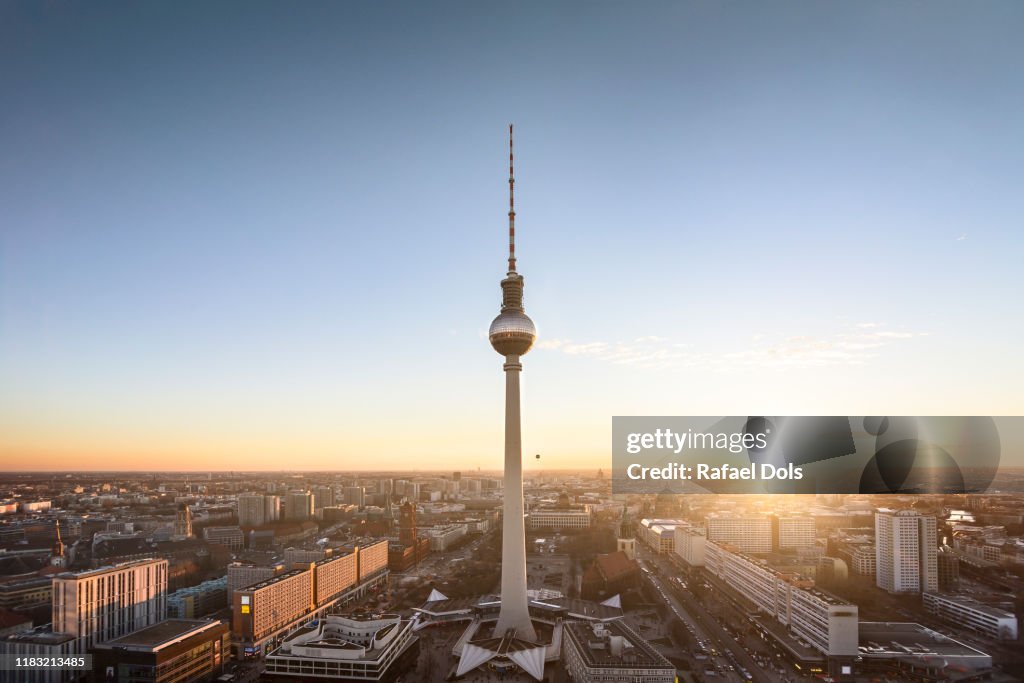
x: 855, y: 347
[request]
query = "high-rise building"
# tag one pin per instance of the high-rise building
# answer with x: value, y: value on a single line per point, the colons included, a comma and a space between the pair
x: 689, y: 545
x: 906, y: 551
x: 748, y: 533
x: 109, y: 602
x: 252, y: 509
x: 355, y: 495
x: 298, y: 506
x: 272, y: 509
x: 323, y: 497
x: 792, y: 531
x: 89, y: 608
x: 512, y: 334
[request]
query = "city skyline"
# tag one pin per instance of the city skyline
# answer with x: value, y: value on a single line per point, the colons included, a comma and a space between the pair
x: 212, y: 258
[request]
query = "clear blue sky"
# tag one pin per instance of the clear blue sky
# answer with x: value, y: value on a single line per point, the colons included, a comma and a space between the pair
x: 271, y: 234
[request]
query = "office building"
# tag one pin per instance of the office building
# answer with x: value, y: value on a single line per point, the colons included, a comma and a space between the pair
x: 298, y: 506
x: 610, y: 652
x: 826, y: 622
x: 967, y: 612
x: 254, y: 509
x: 355, y: 495
x: 445, y: 537
x: 109, y: 602
x: 323, y: 497
x: 747, y: 533
x: 558, y: 518
x: 689, y: 545
x: 791, y: 532
x: 240, y: 575
x: 659, y: 534
x: 172, y: 651
x: 906, y: 552
x: 905, y: 651
x: 198, y: 601
x: 293, y: 556
x: 230, y: 536
x: 264, y: 611
x: 89, y: 608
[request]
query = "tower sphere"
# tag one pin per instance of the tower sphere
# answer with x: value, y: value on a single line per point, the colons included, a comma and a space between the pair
x: 512, y: 333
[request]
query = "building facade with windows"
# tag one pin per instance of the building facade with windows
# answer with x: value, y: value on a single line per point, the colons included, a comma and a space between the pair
x: 965, y: 611
x: 906, y: 552
x: 611, y: 652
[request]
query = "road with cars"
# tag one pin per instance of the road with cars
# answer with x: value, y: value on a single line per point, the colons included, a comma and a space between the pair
x: 732, y: 661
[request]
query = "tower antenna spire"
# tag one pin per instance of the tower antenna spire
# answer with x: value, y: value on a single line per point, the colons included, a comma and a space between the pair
x: 511, y: 208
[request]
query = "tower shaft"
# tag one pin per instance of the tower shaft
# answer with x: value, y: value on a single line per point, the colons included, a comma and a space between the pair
x: 514, y: 614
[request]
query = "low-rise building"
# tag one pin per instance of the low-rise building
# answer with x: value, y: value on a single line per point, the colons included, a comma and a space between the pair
x: 560, y: 518
x: 171, y: 651
x: 967, y: 612
x: 230, y: 536
x: 610, y: 652
x: 445, y: 537
x: 197, y: 601
x: 359, y: 646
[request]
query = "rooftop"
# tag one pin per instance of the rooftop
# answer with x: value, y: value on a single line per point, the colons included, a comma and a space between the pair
x: 167, y: 632
x: 899, y: 639
x: 596, y: 646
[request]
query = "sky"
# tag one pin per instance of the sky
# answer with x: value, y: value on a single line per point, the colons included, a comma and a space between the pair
x: 270, y: 235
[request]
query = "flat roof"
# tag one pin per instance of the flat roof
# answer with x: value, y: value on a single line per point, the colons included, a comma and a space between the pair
x: 272, y: 580
x: 108, y: 568
x: 641, y: 654
x: 902, y: 639
x: 40, y: 636
x: 974, y: 604
x: 163, y: 633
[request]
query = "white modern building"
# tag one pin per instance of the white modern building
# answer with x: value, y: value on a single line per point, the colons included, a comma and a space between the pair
x: 556, y: 518
x: 793, y: 531
x: 659, y: 534
x: 826, y: 622
x: 611, y: 652
x: 748, y: 533
x: 358, y: 646
x: 689, y: 545
x: 298, y: 505
x: 906, y: 552
x: 443, y: 538
x: 965, y: 611
x: 256, y: 509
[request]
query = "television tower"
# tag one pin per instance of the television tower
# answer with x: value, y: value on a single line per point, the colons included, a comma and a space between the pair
x: 512, y: 334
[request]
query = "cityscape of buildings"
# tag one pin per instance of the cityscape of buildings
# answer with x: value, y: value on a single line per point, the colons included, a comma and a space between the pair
x: 121, y: 567
x: 394, y: 565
